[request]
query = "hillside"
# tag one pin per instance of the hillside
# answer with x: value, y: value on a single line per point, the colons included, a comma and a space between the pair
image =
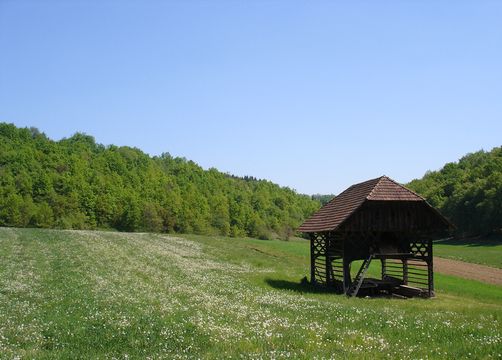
x: 78, y: 184
x: 469, y: 191
x: 323, y: 199
x: 135, y: 295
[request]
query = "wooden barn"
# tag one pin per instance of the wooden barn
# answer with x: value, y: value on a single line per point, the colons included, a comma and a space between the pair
x: 375, y: 220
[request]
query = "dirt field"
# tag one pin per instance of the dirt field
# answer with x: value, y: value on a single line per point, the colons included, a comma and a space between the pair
x: 466, y: 270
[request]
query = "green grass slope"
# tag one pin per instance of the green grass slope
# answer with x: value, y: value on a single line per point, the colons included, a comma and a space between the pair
x: 485, y: 250
x: 74, y: 294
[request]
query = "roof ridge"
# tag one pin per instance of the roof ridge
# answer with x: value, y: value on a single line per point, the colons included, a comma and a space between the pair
x: 349, y: 188
x: 374, y: 187
x: 404, y: 187
x: 341, y: 207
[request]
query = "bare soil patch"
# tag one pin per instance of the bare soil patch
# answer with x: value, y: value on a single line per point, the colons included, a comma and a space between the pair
x: 466, y: 270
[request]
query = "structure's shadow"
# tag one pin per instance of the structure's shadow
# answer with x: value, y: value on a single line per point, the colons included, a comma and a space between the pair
x: 492, y: 240
x: 302, y: 286
x: 305, y: 287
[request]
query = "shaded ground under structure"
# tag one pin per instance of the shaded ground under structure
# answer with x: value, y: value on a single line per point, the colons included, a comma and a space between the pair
x: 376, y: 220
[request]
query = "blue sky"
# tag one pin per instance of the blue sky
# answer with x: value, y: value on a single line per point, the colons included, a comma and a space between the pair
x: 311, y: 95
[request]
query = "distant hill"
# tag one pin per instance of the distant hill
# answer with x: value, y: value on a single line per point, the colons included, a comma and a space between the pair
x: 76, y: 183
x: 469, y: 191
x: 323, y: 199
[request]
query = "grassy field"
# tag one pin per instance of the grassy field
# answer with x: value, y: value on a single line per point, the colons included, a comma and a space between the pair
x: 84, y: 294
x: 481, y: 250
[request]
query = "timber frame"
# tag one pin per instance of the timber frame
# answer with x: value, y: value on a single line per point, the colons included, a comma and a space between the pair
x: 377, y: 220
x: 331, y: 266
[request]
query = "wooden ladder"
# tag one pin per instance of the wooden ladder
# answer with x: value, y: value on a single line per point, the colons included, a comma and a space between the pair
x: 358, y: 281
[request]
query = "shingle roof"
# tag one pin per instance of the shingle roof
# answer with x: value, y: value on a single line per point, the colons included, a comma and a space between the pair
x: 334, y: 213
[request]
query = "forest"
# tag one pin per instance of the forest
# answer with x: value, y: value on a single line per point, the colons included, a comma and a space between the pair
x: 468, y: 192
x: 76, y: 183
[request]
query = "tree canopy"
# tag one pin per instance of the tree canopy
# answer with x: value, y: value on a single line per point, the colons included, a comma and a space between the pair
x: 468, y: 192
x: 76, y: 183
x: 323, y: 199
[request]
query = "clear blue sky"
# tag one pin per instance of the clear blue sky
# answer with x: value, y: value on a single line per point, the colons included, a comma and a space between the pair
x: 311, y: 95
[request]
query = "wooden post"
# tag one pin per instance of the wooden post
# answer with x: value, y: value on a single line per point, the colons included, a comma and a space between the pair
x: 312, y: 259
x: 328, y: 259
x: 405, y: 271
x: 430, y: 268
x: 384, y: 268
x: 347, y: 280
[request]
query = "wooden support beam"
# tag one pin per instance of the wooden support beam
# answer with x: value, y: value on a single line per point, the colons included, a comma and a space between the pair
x: 430, y: 269
x: 327, y: 260
x: 347, y: 280
x: 405, y: 271
x: 312, y: 259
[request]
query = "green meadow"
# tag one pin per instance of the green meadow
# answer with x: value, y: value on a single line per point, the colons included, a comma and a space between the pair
x: 485, y: 250
x: 103, y: 295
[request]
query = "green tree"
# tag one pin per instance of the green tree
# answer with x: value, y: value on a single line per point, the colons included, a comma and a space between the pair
x: 76, y: 183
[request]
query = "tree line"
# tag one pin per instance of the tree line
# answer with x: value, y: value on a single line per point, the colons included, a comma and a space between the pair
x: 76, y: 183
x: 468, y: 192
